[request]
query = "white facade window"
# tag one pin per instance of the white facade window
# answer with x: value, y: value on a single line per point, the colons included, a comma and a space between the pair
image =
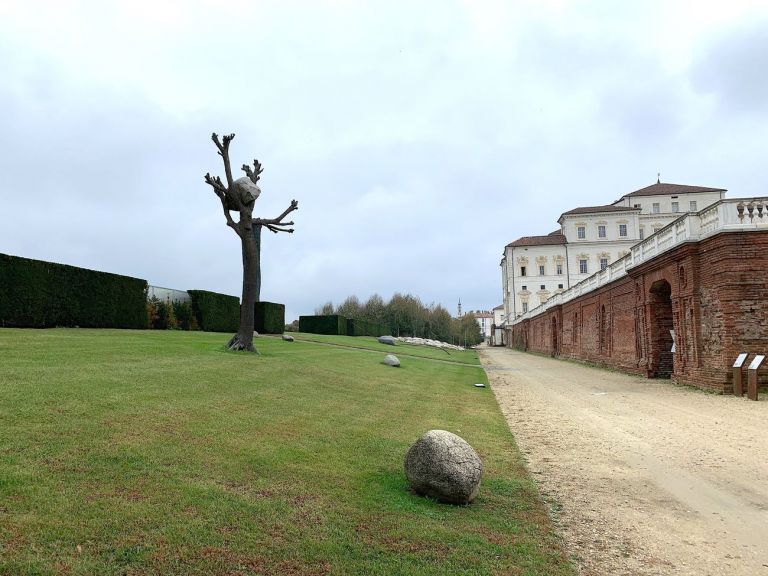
x: 543, y: 287
x: 601, y: 231
x: 693, y: 205
x: 559, y: 269
x: 522, y: 270
x: 541, y: 269
x: 525, y: 287
x: 581, y: 232
x: 559, y: 286
x: 603, y: 263
x: 582, y: 266
x: 622, y: 230
x: 642, y: 232
x: 638, y: 206
x: 656, y: 207
x: 675, y: 207
x: 525, y: 307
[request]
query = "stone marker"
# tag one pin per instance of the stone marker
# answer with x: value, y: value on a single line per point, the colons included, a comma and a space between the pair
x: 391, y: 360
x: 287, y: 337
x: 479, y: 385
x: 444, y: 466
x: 387, y: 340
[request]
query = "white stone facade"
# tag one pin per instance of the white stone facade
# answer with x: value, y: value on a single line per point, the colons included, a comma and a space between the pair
x: 590, y: 239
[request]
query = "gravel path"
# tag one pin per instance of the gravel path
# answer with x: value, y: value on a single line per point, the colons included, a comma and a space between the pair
x: 643, y: 477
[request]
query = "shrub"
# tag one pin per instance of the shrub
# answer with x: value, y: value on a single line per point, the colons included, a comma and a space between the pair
x: 184, y: 317
x: 328, y: 324
x: 215, y: 312
x: 38, y: 294
x: 358, y: 327
x: 269, y: 318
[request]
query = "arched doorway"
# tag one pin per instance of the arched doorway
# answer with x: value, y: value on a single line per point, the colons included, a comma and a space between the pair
x: 554, y: 337
x: 661, y: 356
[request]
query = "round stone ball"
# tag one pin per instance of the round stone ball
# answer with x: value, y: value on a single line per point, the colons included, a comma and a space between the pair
x: 444, y: 466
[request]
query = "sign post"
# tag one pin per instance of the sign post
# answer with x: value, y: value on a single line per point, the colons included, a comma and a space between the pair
x: 752, y: 376
x: 738, y: 385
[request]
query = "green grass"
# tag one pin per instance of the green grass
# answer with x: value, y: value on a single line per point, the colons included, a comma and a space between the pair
x: 468, y: 356
x: 148, y: 452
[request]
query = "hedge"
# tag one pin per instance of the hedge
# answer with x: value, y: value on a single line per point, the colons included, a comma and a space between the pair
x: 269, y: 318
x: 215, y: 312
x: 358, y: 327
x: 330, y: 324
x: 39, y: 294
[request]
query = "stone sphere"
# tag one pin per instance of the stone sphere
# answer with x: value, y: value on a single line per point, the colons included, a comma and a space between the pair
x: 445, y: 467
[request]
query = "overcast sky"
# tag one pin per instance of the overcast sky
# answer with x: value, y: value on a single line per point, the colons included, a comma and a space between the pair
x: 418, y: 137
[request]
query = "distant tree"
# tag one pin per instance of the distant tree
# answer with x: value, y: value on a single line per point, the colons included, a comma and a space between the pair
x: 350, y: 308
x: 466, y: 330
x: 240, y: 196
x: 440, y: 323
x: 374, y: 310
x: 326, y: 309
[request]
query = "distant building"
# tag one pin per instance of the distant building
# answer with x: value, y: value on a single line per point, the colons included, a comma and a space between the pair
x: 485, y: 320
x: 591, y: 238
x: 497, y: 332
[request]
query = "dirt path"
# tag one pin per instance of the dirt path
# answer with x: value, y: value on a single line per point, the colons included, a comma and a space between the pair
x: 644, y: 477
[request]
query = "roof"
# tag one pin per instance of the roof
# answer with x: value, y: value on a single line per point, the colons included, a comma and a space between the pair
x: 499, y: 307
x: 663, y: 188
x: 548, y: 240
x: 555, y: 233
x: 598, y: 210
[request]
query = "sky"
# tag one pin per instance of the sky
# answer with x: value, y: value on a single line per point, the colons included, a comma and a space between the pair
x: 418, y: 137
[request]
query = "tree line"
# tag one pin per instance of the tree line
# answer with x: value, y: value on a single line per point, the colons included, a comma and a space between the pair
x: 407, y: 315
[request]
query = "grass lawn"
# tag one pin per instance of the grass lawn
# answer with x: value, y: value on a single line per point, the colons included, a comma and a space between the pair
x: 149, y: 452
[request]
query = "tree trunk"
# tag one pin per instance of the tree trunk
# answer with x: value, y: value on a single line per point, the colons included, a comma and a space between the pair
x: 243, y: 340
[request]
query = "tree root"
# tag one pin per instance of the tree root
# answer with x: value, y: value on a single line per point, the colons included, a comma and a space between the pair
x: 237, y: 344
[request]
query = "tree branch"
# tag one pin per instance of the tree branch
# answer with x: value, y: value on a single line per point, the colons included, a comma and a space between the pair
x: 279, y: 220
x: 276, y: 229
x: 221, y: 191
x: 224, y: 153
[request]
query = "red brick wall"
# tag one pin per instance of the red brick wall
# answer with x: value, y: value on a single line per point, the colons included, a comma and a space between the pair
x: 713, y: 293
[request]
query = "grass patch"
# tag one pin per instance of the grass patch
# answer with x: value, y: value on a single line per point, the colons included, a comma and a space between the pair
x: 149, y: 452
x: 468, y: 356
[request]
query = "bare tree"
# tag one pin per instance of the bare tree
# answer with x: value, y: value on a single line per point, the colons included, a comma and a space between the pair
x: 240, y: 196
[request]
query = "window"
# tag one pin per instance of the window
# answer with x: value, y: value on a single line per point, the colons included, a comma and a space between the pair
x: 601, y: 231
x: 656, y: 229
x: 559, y: 286
x: 525, y: 287
x: 543, y: 287
x: 541, y: 269
x: 637, y: 206
x: 656, y: 207
x: 642, y: 232
x: 522, y: 270
x: 559, y: 269
x: 675, y: 207
x: 582, y: 266
x: 693, y: 205
x: 603, y: 263
x: 581, y: 232
x: 525, y: 307
x: 622, y: 230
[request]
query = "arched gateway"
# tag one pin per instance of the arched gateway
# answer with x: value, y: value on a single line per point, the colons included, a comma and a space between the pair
x: 661, y: 342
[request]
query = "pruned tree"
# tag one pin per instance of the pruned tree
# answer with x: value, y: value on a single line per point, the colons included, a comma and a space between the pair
x: 240, y: 196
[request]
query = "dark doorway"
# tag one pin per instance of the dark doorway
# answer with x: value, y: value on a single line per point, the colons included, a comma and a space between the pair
x: 661, y: 356
x: 554, y: 337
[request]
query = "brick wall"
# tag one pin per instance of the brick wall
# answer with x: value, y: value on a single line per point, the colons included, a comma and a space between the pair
x: 713, y: 294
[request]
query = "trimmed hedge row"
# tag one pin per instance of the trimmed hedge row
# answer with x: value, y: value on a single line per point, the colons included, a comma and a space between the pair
x: 39, y: 294
x: 358, y: 327
x: 339, y: 325
x: 215, y: 312
x: 330, y: 324
x: 269, y: 318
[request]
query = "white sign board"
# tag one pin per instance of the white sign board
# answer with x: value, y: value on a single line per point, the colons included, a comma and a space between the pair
x: 740, y: 360
x: 756, y: 361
